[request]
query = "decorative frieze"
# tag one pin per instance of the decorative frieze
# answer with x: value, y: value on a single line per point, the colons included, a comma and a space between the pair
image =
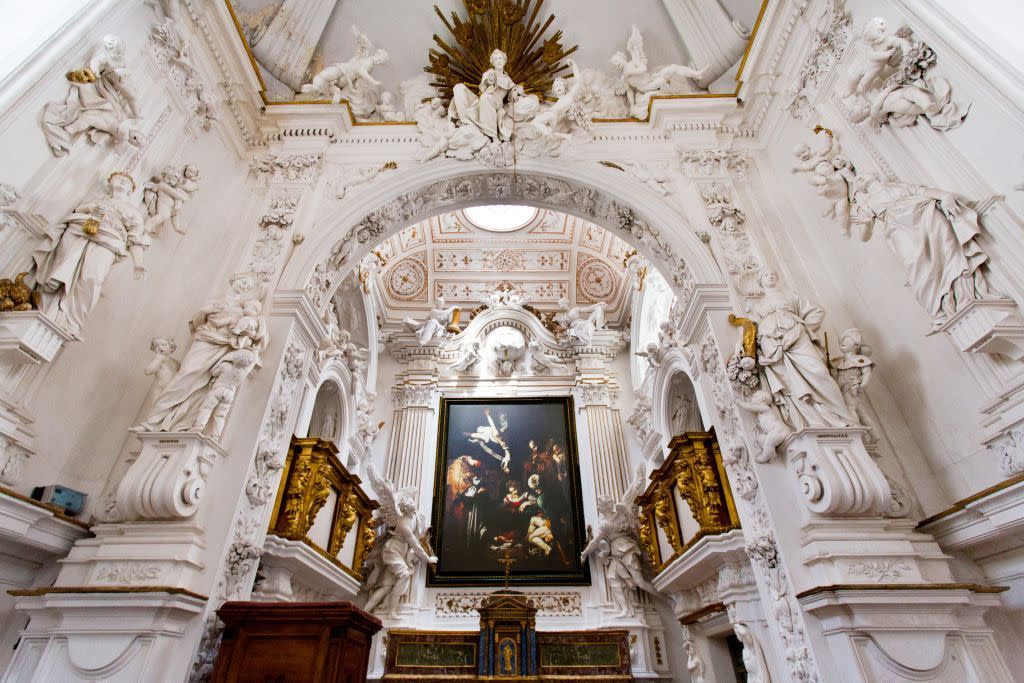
x: 548, y: 604
x: 274, y: 167
x: 713, y: 163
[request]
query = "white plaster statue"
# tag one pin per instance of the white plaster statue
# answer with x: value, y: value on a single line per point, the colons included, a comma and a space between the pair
x: 540, y: 360
x: 793, y: 363
x: 395, y: 557
x: 469, y: 359
x: 329, y: 427
x: 74, y: 258
x: 487, y: 113
x: 165, y: 194
x: 219, y: 328
x: 227, y: 374
x: 891, y: 85
x: 636, y: 81
x: 339, y: 344
x: 558, y: 120
x: 436, y: 324
x: 833, y: 177
x: 387, y: 110
x: 435, y: 128
x: 580, y: 329
x: 773, y: 430
x: 360, y: 176
x: 100, y: 103
x: 853, y: 372
x: 753, y: 657
x: 353, y: 80
x: 934, y: 236
x: 694, y: 664
x: 654, y: 353
x: 162, y: 366
x: 617, y: 542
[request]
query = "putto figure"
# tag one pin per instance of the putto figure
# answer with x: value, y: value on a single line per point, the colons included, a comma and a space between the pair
x: 394, y: 560
x: 581, y: 322
x: 74, y: 258
x: 353, y: 80
x: 164, y: 196
x: 100, y: 103
x: 637, y: 83
x: 617, y: 543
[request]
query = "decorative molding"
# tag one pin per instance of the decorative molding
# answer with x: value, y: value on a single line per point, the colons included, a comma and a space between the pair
x: 460, y: 605
x: 587, y: 395
x: 741, y: 261
x: 414, y: 396
x: 1010, y: 447
x: 12, y: 459
x: 831, y: 38
x: 449, y: 193
x: 713, y: 163
x: 128, y: 574
x: 274, y: 224
x: 881, y: 571
x: 274, y: 435
x: 273, y: 167
x: 173, y: 55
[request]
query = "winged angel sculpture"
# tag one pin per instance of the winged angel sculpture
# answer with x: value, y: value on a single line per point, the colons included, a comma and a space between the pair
x: 352, y: 80
x: 393, y: 562
x: 636, y: 81
x: 617, y: 543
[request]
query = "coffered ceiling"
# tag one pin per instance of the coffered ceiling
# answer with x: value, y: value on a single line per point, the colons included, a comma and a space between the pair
x: 553, y: 256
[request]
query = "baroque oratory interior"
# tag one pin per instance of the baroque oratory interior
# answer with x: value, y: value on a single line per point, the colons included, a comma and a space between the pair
x: 526, y: 340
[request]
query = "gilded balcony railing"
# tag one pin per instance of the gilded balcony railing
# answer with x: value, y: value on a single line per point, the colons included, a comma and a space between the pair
x: 688, y: 498
x: 319, y: 503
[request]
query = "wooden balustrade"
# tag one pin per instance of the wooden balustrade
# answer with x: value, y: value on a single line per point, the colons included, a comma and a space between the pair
x: 320, y: 503
x: 688, y: 498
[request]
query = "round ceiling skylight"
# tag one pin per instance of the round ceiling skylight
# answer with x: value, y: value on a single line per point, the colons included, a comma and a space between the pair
x: 500, y: 217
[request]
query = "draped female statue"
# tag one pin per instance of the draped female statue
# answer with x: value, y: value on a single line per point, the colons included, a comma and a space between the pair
x: 934, y: 236
x: 219, y: 328
x: 793, y: 363
x: 74, y: 258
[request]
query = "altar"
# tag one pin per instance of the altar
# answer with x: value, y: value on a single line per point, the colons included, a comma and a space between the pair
x: 507, y: 647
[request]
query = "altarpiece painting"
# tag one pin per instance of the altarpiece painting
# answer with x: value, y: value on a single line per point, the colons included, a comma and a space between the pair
x: 507, y: 487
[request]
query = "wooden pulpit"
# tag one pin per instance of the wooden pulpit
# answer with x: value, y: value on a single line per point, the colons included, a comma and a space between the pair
x: 265, y: 642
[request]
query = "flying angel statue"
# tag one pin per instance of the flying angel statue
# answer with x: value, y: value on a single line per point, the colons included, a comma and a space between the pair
x: 334, y: 80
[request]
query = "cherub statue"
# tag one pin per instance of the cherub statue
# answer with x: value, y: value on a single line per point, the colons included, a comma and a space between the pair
x: 361, y: 176
x: 832, y: 174
x: 557, y: 120
x: 437, y: 323
x: 891, y: 85
x: 402, y: 548
x: 617, y: 544
x: 637, y: 83
x: 227, y: 376
x: 853, y: 372
x: 387, y: 110
x: 162, y: 366
x: 580, y: 329
x: 769, y: 422
x: 339, y: 79
x: 100, y: 103
x: 540, y: 360
x: 469, y: 358
x: 163, y: 195
x: 654, y: 354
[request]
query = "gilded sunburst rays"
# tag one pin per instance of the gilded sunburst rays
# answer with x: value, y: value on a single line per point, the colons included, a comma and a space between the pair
x: 511, y: 26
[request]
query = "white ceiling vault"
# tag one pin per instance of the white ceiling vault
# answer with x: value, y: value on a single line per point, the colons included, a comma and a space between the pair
x: 553, y: 256
x: 405, y: 29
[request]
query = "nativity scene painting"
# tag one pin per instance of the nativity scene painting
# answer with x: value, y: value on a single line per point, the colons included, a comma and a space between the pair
x: 507, y: 488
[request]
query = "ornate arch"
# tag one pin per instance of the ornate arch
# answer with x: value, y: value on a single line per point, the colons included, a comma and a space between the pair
x: 658, y: 230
